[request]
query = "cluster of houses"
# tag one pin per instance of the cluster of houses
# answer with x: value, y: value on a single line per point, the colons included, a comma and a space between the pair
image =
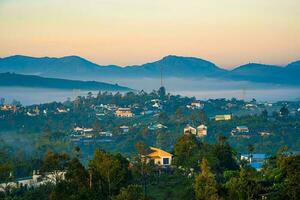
x: 8, y: 107
x: 34, y: 181
x: 200, y: 131
x: 36, y: 111
x: 195, y: 105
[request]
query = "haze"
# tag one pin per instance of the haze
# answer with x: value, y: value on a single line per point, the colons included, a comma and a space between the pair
x: 125, y: 32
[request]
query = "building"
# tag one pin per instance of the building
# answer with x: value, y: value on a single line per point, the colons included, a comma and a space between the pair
x: 124, y: 112
x: 202, y: 130
x: 264, y: 133
x: 195, y: 105
x: 156, y: 127
x: 34, y: 181
x: 158, y: 156
x: 9, y: 108
x: 61, y: 110
x: 244, y: 130
x: 106, y: 134
x: 256, y: 160
x: 222, y: 117
x: 190, y: 130
x: 124, y: 129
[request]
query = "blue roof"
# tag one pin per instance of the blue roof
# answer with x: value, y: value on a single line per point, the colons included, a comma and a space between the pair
x: 257, y: 165
x: 24, y: 178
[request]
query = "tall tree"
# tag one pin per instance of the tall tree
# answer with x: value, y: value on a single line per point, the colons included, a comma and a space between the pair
x: 205, y: 184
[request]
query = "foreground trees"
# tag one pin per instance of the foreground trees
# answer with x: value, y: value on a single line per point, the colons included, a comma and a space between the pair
x: 217, y: 175
x: 206, y: 184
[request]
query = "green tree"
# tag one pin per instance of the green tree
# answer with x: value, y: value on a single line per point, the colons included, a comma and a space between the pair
x: 245, y: 186
x: 107, y: 172
x: 186, y: 150
x: 205, y: 184
x: 131, y: 192
x: 55, y: 163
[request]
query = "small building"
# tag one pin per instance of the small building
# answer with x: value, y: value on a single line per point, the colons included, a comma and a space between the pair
x: 124, y: 129
x: 255, y: 160
x: 124, y: 112
x: 158, y: 156
x: 222, y: 117
x: 195, y: 105
x: 34, y: 181
x: 240, y: 130
x: 156, y: 127
x: 9, y: 108
x: 61, y: 110
x: 264, y: 133
x: 190, y: 130
x: 106, y: 134
x: 202, y: 130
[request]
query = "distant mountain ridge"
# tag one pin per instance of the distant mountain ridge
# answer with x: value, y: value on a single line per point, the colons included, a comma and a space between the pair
x: 18, y: 80
x: 75, y: 67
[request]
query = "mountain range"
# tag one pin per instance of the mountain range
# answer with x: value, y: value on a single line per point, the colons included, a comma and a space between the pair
x: 12, y: 79
x: 75, y: 67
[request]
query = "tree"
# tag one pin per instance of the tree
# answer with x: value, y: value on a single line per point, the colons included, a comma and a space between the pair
x: 264, y: 114
x: 2, y: 101
x: 162, y: 92
x: 108, y: 172
x: 250, y: 149
x: 284, y: 111
x: 131, y: 192
x: 205, y: 184
x: 5, y: 175
x: 76, y: 173
x: 246, y: 186
x: 290, y: 170
x: 55, y: 163
x: 186, y: 150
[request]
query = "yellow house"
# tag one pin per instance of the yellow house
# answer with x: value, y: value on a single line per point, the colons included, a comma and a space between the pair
x: 222, y: 117
x: 160, y: 157
x: 124, y: 112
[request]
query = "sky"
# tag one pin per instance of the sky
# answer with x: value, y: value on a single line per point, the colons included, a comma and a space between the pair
x: 125, y: 32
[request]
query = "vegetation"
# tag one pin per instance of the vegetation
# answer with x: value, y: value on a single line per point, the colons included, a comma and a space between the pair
x: 207, y: 167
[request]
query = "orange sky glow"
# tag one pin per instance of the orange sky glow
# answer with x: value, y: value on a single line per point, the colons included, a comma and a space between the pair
x: 126, y: 32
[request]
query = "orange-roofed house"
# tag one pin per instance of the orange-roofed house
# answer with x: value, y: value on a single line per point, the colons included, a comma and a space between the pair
x: 160, y: 157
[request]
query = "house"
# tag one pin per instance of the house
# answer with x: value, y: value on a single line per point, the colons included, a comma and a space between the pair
x: 240, y: 130
x: 124, y: 112
x: 264, y: 133
x: 222, y: 117
x: 156, y: 103
x: 34, y: 112
x: 35, y: 180
x: 196, y: 105
x: 158, y: 156
x: 202, y: 130
x: 189, y: 130
x: 106, y: 134
x: 256, y: 160
x: 156, y: 127
x: 9, y: 108
x: 125, y: 129
x: 62, y: 110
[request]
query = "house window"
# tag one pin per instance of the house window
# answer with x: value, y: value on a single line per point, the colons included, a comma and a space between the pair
x: 166, y: 161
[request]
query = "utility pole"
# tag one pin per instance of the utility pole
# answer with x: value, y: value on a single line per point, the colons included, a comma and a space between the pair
x: 161, y: 78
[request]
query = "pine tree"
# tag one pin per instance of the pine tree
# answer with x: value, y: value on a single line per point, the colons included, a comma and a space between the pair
x: 205, y: 184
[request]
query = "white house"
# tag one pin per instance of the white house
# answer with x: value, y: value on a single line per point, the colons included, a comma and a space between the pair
x: 190, y: 130
x: 125, y: 129
x: 202, y: 130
